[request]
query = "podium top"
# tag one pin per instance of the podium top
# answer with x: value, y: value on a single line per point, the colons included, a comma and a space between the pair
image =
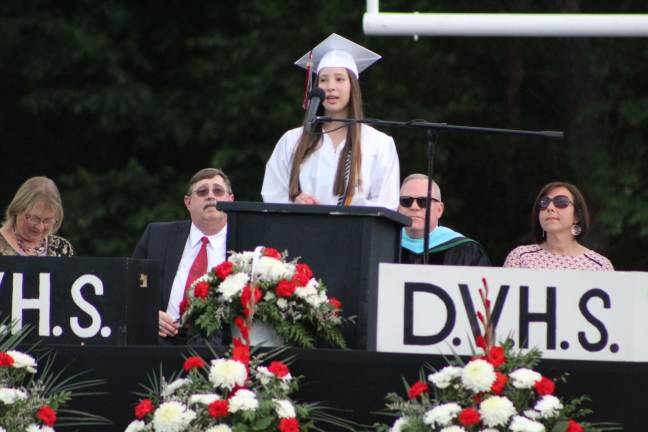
x: 260, y: 207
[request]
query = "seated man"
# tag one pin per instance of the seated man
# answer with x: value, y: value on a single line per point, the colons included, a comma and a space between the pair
x: 186, y: 249
x: 446, y: 246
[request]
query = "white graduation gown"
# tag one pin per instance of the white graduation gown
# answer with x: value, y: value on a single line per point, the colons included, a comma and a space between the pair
x: 380, y: 175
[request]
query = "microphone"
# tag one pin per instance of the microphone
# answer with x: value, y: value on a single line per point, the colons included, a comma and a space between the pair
x: 316, y: 97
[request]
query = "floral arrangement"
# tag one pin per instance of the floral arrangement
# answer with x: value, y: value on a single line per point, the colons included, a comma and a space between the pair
x: 264, y: 286
x: 34, y: 402
x: 235, y: 393
x: 498, y: 390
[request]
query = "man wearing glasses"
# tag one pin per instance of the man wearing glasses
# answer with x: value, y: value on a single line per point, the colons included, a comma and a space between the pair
x: 446, y: 247
x: 187, y: 249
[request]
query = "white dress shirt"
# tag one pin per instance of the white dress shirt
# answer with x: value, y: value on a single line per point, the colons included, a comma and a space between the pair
x: 379, y: 179
x: 215, y: 255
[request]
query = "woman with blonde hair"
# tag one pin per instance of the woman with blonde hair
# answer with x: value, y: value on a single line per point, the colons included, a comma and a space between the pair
x: 335, y: 163
x: 32, y: 218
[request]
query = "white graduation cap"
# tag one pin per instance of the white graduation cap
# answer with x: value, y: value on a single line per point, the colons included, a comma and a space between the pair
x: 337, y: 51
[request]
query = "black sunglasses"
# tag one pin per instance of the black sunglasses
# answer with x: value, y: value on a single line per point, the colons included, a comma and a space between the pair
x: 560, y: 201
x: 407, y: 201
x: 204, y: 191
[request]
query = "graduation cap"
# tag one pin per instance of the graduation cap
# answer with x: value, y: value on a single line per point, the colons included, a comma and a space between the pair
x: 336, y: 51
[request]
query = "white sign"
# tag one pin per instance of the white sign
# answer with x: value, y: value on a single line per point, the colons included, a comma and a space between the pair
x: 567, y: 314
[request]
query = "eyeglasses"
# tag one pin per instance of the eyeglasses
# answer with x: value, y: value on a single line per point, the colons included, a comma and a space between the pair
x: 407, y: 201
x: 35, y: 220
x: 560, y: 201
x: 204, y: 191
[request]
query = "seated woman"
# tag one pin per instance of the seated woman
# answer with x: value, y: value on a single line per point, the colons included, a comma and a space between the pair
x: 559, y: 217
x: 32, y: 218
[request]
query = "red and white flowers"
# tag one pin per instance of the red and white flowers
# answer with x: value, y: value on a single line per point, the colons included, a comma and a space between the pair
x: 234, y: 393
x: 497, y: 390
x: 263, y: 286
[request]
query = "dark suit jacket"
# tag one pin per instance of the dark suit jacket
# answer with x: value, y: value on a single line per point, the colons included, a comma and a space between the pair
x: 164, y: 242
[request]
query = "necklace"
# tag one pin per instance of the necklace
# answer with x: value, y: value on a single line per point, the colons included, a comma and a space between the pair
x: 40, y: 250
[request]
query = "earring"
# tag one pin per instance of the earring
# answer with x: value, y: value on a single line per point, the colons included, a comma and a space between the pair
x: 544, y: 234
x: 576, y: 230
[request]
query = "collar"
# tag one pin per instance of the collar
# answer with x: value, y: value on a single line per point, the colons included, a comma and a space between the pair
x: 195, y: 235
x: 438, y: 236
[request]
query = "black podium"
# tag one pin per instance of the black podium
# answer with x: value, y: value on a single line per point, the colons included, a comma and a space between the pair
x: 343, y: 245
x: 80, y: 300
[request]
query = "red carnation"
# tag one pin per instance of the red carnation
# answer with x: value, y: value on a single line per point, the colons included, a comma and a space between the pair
x: 223, y: 270
x: 218, y: 408
x: 337, y: 304
x: 496, y: 356
x: 285, y: 288
x: 289, y: 425
x: 417, y: 389
x: 144, y: 407
x: 469, y: 416
x: 194, y: 362
x: 47, y: 415
x: 241, y: 353
x: 573, y: 426
x: 544, y: 386
x: 303, y: 274
x: 201, y: 290
x: 272, y: 253
x: 499, y: 383
x: 278, y: 369
x: 184, y: 304
x: 6, y: 359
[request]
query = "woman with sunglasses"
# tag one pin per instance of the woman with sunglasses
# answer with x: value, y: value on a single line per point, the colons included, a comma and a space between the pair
x: 559, y: 219
x: 31, y: 220
x: 334, y: 163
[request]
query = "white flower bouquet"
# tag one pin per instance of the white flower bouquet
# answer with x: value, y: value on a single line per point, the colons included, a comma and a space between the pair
x: 263, y: 287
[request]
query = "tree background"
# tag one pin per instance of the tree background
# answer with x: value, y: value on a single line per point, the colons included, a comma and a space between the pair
x: 121, y: 102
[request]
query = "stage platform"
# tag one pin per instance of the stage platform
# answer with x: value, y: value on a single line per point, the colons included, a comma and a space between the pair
x: 356, y: 381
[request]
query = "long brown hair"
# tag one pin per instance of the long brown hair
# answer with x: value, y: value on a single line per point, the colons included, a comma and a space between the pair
x: 308, y: 143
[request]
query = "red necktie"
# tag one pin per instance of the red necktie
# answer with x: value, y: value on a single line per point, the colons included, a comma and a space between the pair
x: 199, y: 266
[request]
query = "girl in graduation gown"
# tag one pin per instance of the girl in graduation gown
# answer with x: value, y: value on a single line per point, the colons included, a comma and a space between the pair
x: 337, y: 163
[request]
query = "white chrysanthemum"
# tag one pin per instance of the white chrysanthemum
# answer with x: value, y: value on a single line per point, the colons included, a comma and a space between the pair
x: 172, y: 417
x: 496, y: 411
x: 227, y: 373
x: 315, y: 300
x: 269, y: 296
x: 453, y: 429
x: 306, y: 291
x: 478, y: 376
x: 10, y: 395
x: 23, y: 361
x: 242, y: 261
x: 443, y: 378
x: 136, y: 426
x: 284, y: 408
x: 489, y: 430
x: 282, y: 303
x: 1, y: 428
x: 243, y: 400
x: 219, y: 428
x: 203, y: 399
x: 399, y: 424
x: 532, y: 414
x: 523, y: 424
x: 271, y: 269
x: 549, y: 406
x: 442, y: 415
x: 233, y: 285
x: 524, y: 378
x: 36, y: 428
x: 171, y: 388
